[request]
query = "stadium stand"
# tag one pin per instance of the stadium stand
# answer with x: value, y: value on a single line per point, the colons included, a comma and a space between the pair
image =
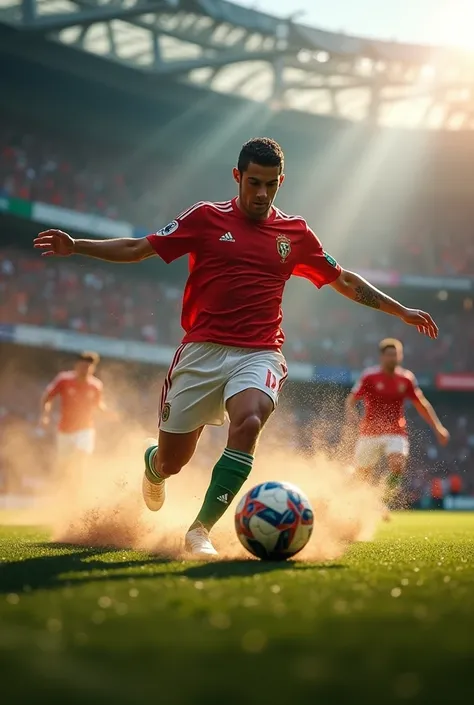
x: 137, y: 152
x: 87, y: 298
x: 92, y: 177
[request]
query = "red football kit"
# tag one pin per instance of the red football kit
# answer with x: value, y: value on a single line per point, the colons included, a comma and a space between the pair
x: 238, y: 268
x: 384, y: 395
x: 79, y: 400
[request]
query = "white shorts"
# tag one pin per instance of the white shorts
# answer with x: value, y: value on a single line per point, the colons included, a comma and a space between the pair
x: 370, y: 449
x: 69, y: 443
x: 204, y: 376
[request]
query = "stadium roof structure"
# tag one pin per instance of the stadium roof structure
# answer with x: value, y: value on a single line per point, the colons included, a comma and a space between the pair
x: 232, y: 49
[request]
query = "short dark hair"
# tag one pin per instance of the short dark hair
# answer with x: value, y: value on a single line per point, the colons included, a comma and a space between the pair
x: 262, y: 151
x: 89, y: 356
x: 388, y: 343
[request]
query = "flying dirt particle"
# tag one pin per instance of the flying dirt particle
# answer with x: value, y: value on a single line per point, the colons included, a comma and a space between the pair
x: 105, y: 508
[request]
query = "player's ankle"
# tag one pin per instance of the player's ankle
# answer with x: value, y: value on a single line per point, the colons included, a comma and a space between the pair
x: 151, y: 473
x: 199, y: 525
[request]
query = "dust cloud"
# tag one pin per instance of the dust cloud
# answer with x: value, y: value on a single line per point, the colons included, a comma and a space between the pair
x: 102, y: 506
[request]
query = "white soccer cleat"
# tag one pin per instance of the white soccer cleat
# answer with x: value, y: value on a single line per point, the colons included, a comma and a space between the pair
x: 197, y: 543
x: 154, y: 494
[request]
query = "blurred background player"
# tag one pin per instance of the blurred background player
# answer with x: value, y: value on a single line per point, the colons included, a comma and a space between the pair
x: 80, y: 394
x: 383, y: 427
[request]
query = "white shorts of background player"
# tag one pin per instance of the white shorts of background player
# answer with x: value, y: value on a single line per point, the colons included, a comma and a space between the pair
x: 69, y: 443
x: 370, y: 449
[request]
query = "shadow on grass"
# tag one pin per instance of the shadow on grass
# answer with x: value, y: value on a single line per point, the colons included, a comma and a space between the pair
x: 52, y: 571
x: 243, y: 568
x: 72, y: 565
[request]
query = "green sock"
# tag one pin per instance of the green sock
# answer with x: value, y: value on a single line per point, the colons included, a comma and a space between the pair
x: 150, y: 471
x: 393, y: 489
x: 228, y: 476
x: 393, y: 480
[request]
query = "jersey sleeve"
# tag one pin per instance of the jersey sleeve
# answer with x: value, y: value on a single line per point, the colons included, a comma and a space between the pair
x: 413, y: 388
x: 359, y: 390
x: 54, y: 388
x: 315, y: 264
x: 181, y: 236
x: 99, y: 396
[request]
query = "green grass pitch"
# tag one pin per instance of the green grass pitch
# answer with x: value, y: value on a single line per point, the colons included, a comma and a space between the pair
x: 390, y: 622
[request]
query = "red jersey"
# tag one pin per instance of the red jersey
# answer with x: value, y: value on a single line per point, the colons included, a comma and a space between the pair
x: 79, y: 400
x: 238, y: 269
x: 384, y: 395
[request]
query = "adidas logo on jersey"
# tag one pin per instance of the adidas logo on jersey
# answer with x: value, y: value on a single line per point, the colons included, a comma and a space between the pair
x: 227, y: 237
x: 224, y: 498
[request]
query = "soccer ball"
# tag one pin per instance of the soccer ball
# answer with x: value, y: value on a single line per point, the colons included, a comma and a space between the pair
x: 274, y: 520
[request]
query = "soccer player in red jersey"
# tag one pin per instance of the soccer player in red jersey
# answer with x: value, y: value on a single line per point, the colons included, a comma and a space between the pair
x: 241, y: 254
x: 81, y: 395
x: 383, y: 428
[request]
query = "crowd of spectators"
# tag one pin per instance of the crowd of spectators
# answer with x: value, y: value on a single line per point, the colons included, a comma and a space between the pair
x: 344, y: 335
x: 113, y: 181
x: 445, y: 249
x: 88, y: 177
x: 88, y: 298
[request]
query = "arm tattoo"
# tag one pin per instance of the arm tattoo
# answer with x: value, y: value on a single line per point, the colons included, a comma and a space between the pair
x: 367, y: 296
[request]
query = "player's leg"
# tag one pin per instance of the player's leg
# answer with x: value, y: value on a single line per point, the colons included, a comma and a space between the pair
x: 396, y: 468
x: 396, y: 451
x: 66, y: 451
x: 251, y: 396
x: 191, y: 398
x: 167, y: 458
x: 397, y: 455
x: 70, y: 463
x: 248, y: 411
x: 368, y: 452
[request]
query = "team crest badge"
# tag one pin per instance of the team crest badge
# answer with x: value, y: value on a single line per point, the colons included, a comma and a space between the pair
x: 168, y: 229
x: 165, y: 414
x: 330, y: 260
x: 283, y: 247
x: 402, y: 388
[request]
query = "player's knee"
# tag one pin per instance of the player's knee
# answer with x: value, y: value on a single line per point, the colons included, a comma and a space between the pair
x: 396, y: 464
x: 246, y: 430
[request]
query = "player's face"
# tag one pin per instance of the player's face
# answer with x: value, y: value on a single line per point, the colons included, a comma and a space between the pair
x: 258, y: 187
x: 391, y: 357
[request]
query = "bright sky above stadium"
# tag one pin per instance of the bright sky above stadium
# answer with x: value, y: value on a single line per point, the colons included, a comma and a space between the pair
x: 437, y: 22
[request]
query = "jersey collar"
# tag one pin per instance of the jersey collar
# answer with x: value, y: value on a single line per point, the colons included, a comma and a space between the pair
x: 242, y: 215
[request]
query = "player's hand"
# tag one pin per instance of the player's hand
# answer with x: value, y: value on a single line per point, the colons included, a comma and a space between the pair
x: 423, y: 321
x: 44, y: 420
x: 54, y: 242
x: 442, y: 435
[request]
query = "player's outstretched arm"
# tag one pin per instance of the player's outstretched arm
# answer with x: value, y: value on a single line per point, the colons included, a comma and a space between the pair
x: 45, y: 409
x: 355, y: 287
x: 426, y: 411
x: 123, y: 249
